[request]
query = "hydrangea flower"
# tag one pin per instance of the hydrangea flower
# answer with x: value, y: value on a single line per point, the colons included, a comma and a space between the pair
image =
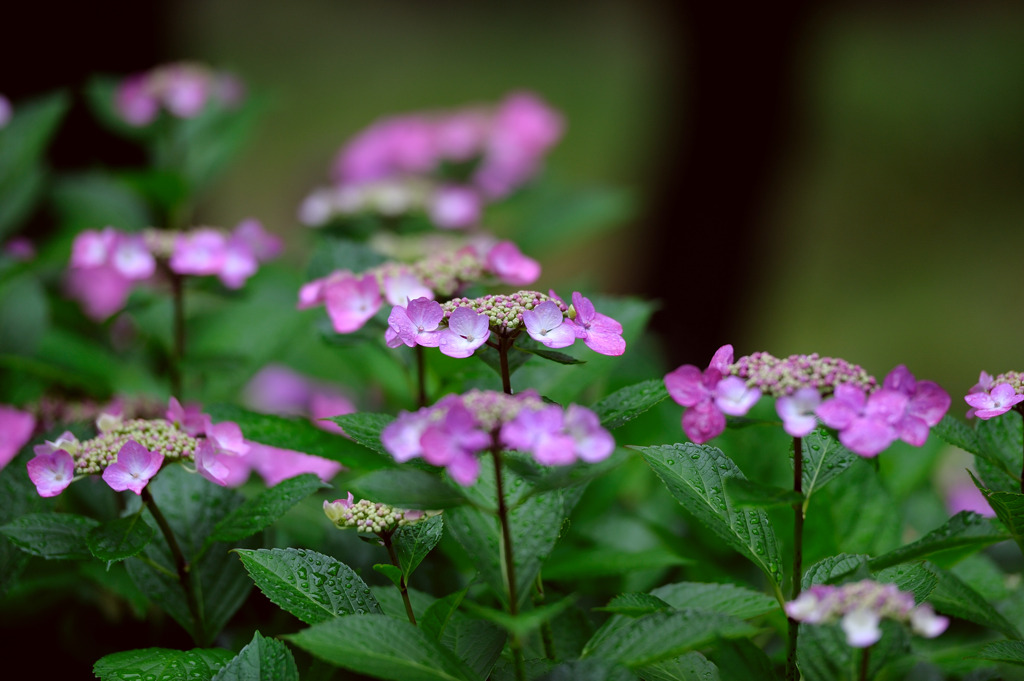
x: 809, y: 389
x: 133, y: 468
x: 467, y: 323
x: 182, y: 89
x: 454, y: 432
x: 861, y: 606
x: 992, y: 397
x: 371, y: 517
x: 16, y: 428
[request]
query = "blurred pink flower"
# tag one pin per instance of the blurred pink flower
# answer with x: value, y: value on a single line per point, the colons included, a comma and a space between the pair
x: 16, y: 429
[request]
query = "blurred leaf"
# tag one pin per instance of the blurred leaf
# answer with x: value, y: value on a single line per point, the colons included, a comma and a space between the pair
x: 100, y: 92
x: 262, y: 659
x: 161, y: 664
x: 641, y: 641
x: 635, y: 604
x: 93, y: 200
x: 576, y: 563
x: 121, y: 538
x: 726, y: 599
x: 436, y: 617
x: 689, y: 667
x: 309, y: 585
x: 746, y: 493
x: 625, y: 404
x: 546, y: 353
x: 824, y: 655
x: 407, y: 488
x: 164, y: 189
x: 299, y: 435
x: 414, y: 542
x: 24, y: 315
x: 964, y: 530
x: 365, y: 428
x: 18, y: 196
x: 523, y: 623
x: 20, y: 499
x: 695, y: 475
x: 591, y: 670
x: 742, y: 660
x: 575, y: 216
x: 823, y: 459
x: 390, y: 571
x: 476, y: 642
x: 953, y: 597
x: 332, y: 254
x: 260, y: 512
x: 835, y: 569
x: 1009, y: 508
x: 1009, y: 652
x: 23, y: 140
x: 54, y: 536
x: 206, y: 144
x: 957, y: 433
x: 382, y: 647
x: 490, y: 356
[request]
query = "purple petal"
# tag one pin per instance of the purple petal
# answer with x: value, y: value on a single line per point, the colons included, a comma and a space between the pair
x: 733, y: 396
x: 51, y: 473
x: 703, y: 422
x: 133, y: 469
x: 686, y: 386
x: 15, y: 431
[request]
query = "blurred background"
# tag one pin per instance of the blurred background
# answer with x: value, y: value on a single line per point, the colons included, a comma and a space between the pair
x: 833, y: 177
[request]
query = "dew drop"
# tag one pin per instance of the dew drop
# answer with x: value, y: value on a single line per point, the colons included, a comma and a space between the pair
x: 670, y: 462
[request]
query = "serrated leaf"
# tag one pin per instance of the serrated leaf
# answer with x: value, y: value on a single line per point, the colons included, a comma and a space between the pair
x: 1009, y: 652
x: 591, y: 670
x: 54, y: 536
x: 725, y: 599
x: 1008, y: 507
x: 407, y: 488
x: 954, y: 597
x: 918, y: 579
x: 625, y: 404
x: 641, y: 641
x: 365, y: 428
x: 740, y: 660
x: 689, y: 667
x: 262, y: 659
x: 309, y: 585
x: 523, y: 623
x: 824, y: 458
x: 964, y: 530
x: 261, y: 511
x: 823, y: 653
x: 414, y: 542
x: 603, y: 562
x: 746, y: 493
x: 695, y: 475
x: 436, y: 617
x: 476, y: 642
x: 161, y: 664
x: 390, y: 571
x: 121, y: 538
x: 635, y: 604
x: 1001, y: 440
x: 957, y: 433
x: 298, y: 435
x: 835, y: 569
x: 382, y: 647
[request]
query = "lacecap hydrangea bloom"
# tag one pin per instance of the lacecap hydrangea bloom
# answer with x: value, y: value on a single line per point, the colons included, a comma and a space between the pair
x: 859, y: 607
x: 398, y: 164
x: 809, y: 389
x: 353, y: 299
x: 453, y: 432
x: 371, y: 517
x: 107, y: 263
x: 991, y: 397
x: 182, y: 89
x: 461, y: 325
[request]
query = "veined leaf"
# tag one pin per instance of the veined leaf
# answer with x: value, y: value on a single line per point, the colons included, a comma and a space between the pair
x: 725, y: 599
x: 121, y: 538
x: 747, y: 494
x: 695, y: 475
x: 625, y: 404
x: 1001, y: 440
x: 262, y: 659
x: 261, y: 511
x: 1009, y: 652
x: 635, y: 604
x: 414, y: 542
x: 824, y: 458
x: 365, y: 428
x: 953, y: 597
x: 689, y: 667
x: 407, y: 488
x: 957, y: 433
x: 1009, y: 508
x: 161, y: 664
x: 54, y: 536
x: 575, y: 563
x: 835, y: 569
x: 964, y: 530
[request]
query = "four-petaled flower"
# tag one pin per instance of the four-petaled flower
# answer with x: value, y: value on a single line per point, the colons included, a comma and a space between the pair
x: 467, y: 330
x: 997, y: 401
x: 134, y: 467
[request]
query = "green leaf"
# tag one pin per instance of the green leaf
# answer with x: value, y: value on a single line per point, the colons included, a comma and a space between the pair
x: 121, y: 538
x: 635, y: 604
x: 490, y: 356
x: 576, y: 564
x: 625, y: 404
x: 414, y: 542
x: 1009, y: 652
x: 1009, y: 508
x: 954, y: 597
x: 161, y: 664
x: 262, y: 659
x: 24, y: 315
x: 23, y: 140
x: 725, y: 599
x: 641, y: 641
x: 54, y: 536
x: 695, y: 475
x: 436, y: 617
x: 382, y: 647
x: 309, y: 585
x: 261, y: 511
x: 407, y: 488
x: 835, y: 569
x: 88, y: 200
x: 524, y: 623
x: 824, y: 458
x: 299, y: 435
x: 390, y: 571
x: 824, y: 655
x: 476, y: 642
x: 740, y: 659
x: 689, y: 667
x: 1001, y: 440
x: 957, y: 433
x: 918, y: 579
x: 18, y: 196
x: 746, y: 493
x: 365, y: 428
x: 333, y: 254
x: 964, y: 530
x: 591, y: 670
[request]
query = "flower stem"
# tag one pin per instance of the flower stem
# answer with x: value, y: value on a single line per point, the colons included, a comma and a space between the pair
x: 506, y: 377
x: 1020, y: 410
x: 792, y: 674
x: 421, y: 377
x: 183, y: 568
x: 865, y: 661
x: 508, y: 558
x: 178, y: 347
x: 385, y: 538
x: 546, y: 634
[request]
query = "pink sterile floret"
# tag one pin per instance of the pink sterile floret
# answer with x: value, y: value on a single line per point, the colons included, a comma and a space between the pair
x: 400, y: 288
x: 454, y: 207
x: 733, y: 397
x: 998, y: 400
x: 274, y: 464
x: 133, y: 469
x: 415, y: 324
x: 51, y: 473
x: 352, y: 301
x: 601, y: 333
x: 797, y: 411
x: 545, y: 325
x: 16, y: 428
x: 698, y: 390
x: 200, y: 252
x: 926, y: 404
x: 509, y: 264
x: 454, y: 442
x: 866, y: 425
x: 467, y: 330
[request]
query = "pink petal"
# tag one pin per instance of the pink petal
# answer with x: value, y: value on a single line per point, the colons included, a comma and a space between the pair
x: 15, y: 431
x: 51, y: 473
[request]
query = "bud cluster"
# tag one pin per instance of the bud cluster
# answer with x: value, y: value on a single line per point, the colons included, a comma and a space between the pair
x: 504, y: 312
x: 156, y: 435
x: 371, y: 517
x: 783, y: 377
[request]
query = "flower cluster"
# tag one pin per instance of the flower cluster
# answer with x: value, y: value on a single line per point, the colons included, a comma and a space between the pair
x: 371, y: 517
x: 992, y: 397
x: 453, y: 432
x: 868, y: 417
x: 462, y: 325
x: 182, y: 89
x: 398, y: 163
x: 106, y: 264
x: 351, y: 299
x: 860, y: 608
